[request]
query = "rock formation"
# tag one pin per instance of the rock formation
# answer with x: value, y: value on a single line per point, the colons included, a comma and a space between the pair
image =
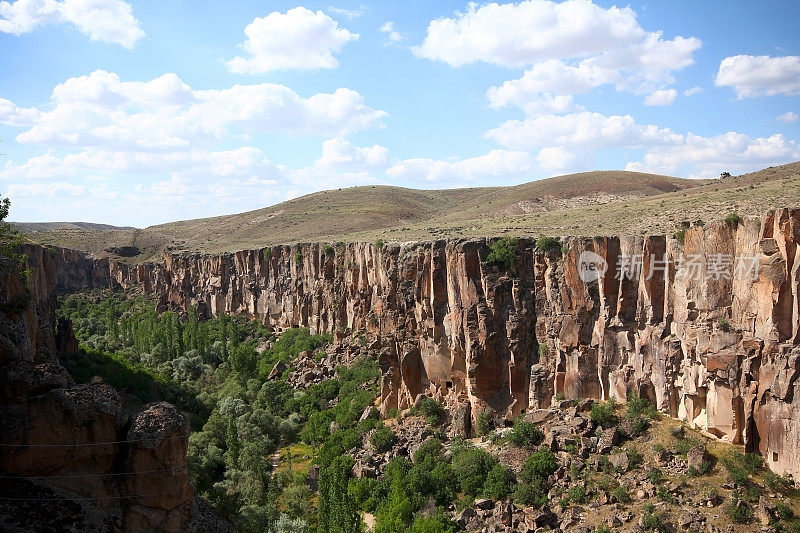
x: 71, y: 458
x: 718, y: 349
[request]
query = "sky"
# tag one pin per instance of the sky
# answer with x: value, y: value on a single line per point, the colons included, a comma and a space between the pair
x: 143, y: 112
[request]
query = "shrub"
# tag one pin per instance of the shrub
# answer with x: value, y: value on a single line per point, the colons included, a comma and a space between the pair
x: 379, y: 243
x: 739, y: 512
x: 524, y: 434
x: 430, y: 449
x: 621, y: 495
x: 753, y: 463
x: 639, y: 407
x: 664, y: 495
x: 783, y: 511
x: 471, y: 466
x: 680, y: 235
x: 382, y: 439
x: 733, y: 219
x: 298, y: 258
x: 437, y: 523
x: 503, y: 253
x: 577, y: 494
x: 327, y: 249
x: 544, y: 244
x: 433, y: 411
x: 526, y: 494
x: 724, y: 324
x: 266, y: 253
x: 484, y: 424
x: 500, y: 483
x: 543, y: 351
x: 603, y: 414
x: 634, y: 458
x: 540, y: 465
x: 653, y: 521
x: 655, y: 476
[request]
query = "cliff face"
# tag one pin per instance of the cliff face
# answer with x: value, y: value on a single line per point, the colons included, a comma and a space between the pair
x: 707, y: 328
x: 70, y: 457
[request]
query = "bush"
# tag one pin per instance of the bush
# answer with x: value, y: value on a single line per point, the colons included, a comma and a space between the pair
x: 471, y: 466
x: 433, y: 411
x: 524, y: 434
x: 430, y: 449
x: 327, y: 249
x: 298, y: 258
x: 724, y: 324
x: 543, y: 351
x: 739, y: 512
x: 526, y: 494
x: 639, y: 407
x: 484, y: 424
x: 577, y: 494
x: 733, y: 219
x: 544, y: 244
x: 500, y: 483
x: 634, y: 458
x: 540, y: 465
x: 437, y: 523
x: 680, y: 235
x: 382, y: 439
x: 653, y: 521
x: 783, y: 511
x: 379, y: 243
x: 621, y: 495
x: 603, y: 414
x: 656, y: 476
x: 503, y: 253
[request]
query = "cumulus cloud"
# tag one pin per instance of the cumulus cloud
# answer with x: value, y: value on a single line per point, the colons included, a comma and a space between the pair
x: 752, y: 76
x: 708, y: 156
x: 788, y: 117
x: 570, y: 47
x: 585, y: 131
x: 102, y: 20
x: 298, y: 39
x: 691, y: 91
x: 340, y: 152
x: 100, y: 110
x: 558, y: 159
x: 392, y: 36
x: 496, y: 163
x: 661, y: 97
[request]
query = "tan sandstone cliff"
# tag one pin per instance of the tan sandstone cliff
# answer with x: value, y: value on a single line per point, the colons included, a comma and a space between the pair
x: 718, y: 351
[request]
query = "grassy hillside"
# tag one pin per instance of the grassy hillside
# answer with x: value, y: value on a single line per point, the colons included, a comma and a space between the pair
x: 589, y: 203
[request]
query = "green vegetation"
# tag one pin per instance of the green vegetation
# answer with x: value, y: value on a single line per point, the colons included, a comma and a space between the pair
x: 543, y: 351
x: 503, y: 254
x: 724, y: 324
x: 543, y: 244
x: 524, y: 434
x: 733, y: 219
x: 484, y: 424
x: 215, y: 371
x: 680, y: 235
x: 603, y: 414
x: 327, y: 249
x: 383, y: 439
x: 10, y: 239
x: 433, y: 410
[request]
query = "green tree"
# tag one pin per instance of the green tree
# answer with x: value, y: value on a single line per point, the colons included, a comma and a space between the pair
x: 10, y: 239
x: 337, y: 510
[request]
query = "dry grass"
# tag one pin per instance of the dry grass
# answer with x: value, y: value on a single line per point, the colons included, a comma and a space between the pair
x: 587, y: 204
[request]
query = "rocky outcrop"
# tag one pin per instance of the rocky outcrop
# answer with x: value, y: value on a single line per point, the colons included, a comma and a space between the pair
x: 71, y: 458
x: 717, y: 348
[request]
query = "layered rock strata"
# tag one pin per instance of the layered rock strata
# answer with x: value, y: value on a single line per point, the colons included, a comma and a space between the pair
x: 718, y: 348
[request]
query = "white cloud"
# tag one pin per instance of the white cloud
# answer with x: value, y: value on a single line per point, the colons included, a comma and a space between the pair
x: 496, y: 163
x: 709, y: 156
x: 752, y: 76
x: 298, y: 39
x: 583, y: 131
x: 102, y: 20
x: 557, y: 159
x: 788, y: 117
x: 392, y: 36
x: 571, y: 47
x: 340, y: 152
x: 691, y: 91
x: 661, y: 97
x: 102, y: 111
x: 349, y: 14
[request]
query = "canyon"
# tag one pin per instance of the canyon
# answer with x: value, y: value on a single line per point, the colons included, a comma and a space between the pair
x: 717, y: 348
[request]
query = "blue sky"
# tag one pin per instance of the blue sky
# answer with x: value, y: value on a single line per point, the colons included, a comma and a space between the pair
x: 139, y: 113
